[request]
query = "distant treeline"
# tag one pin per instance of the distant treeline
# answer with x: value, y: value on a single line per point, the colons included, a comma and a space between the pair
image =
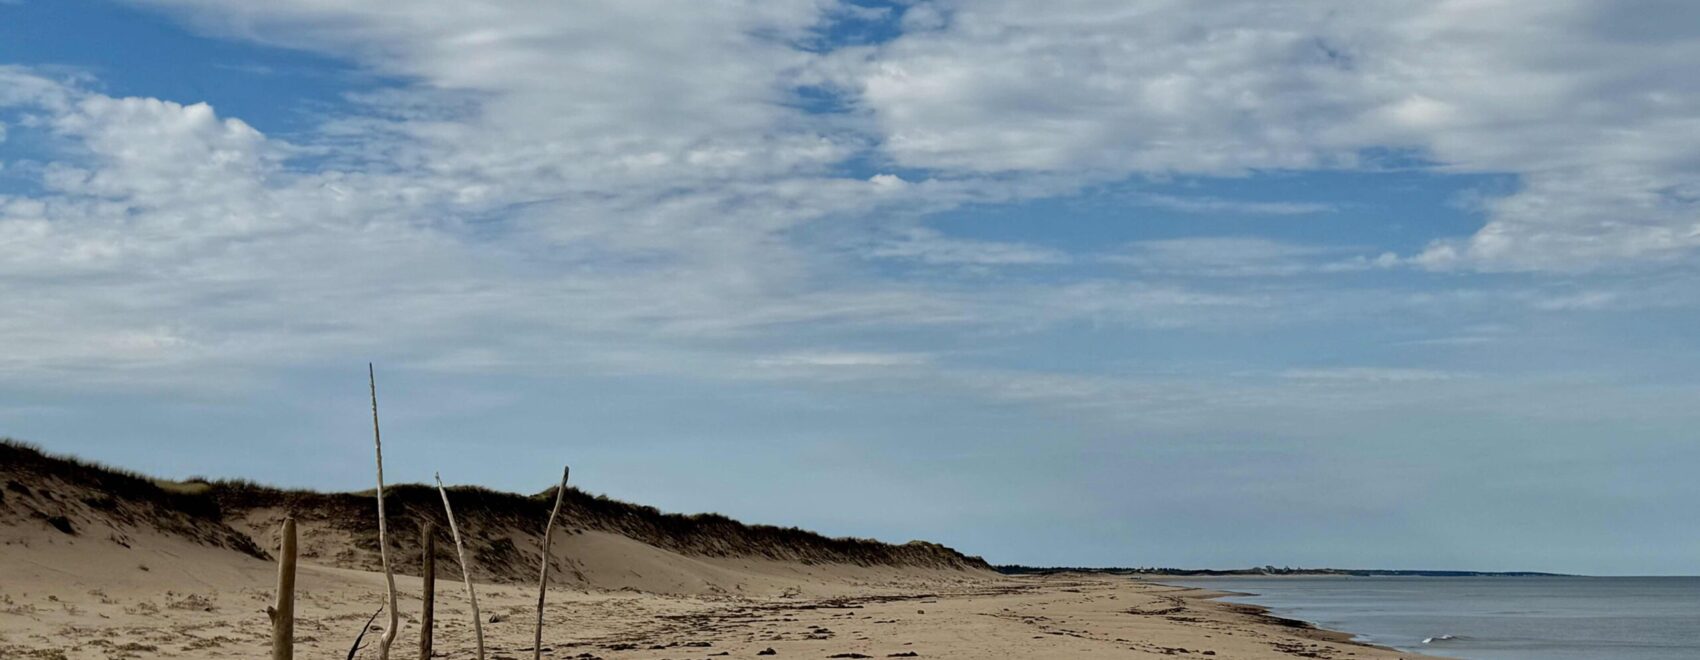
x: 1014, y: 569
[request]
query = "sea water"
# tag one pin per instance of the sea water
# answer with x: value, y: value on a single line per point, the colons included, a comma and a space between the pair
x: 1492, y: 618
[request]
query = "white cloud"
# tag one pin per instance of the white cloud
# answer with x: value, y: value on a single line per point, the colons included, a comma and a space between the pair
x: 564, y: 98
x: 1123, y: 304
x: 1586, y: 300
x: 20, y: 86
x: 159, y: 153
x: 1370, y: 374
x: 1213, y: 205
x: 636, y: 200
x: 887, y: 181
x: 843, y: 359
x: 930, y: 247
x: 1243, y: 256
x: 1592, y: 106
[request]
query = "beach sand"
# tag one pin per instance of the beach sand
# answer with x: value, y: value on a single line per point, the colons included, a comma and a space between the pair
x: 197, y: 604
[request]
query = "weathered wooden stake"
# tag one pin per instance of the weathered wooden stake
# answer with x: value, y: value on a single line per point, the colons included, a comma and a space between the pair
x: 283, y: 614
x: 543, y: 576
x: 383, y: 542
x: 429, y: 595
x: 465, y: 572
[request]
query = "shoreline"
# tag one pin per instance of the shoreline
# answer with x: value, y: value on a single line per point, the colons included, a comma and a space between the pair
x: 1269, y: 617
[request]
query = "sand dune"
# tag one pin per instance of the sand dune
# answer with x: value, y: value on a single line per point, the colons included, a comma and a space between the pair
x: 100, y: 564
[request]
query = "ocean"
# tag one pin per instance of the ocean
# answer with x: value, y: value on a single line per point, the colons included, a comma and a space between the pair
x: 1492, y: 618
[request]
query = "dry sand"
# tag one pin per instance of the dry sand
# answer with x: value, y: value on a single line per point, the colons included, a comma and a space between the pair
x: 80, y: 601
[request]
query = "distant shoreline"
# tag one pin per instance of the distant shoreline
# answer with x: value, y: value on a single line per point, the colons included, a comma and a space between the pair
x: 1266, y: 571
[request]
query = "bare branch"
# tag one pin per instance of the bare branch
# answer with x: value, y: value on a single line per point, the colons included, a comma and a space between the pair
x: 356, y: 647
x: 383, y: 543
x: 543, y: 574
x: 465, y: 572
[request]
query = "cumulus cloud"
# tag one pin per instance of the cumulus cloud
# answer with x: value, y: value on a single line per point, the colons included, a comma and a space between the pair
x: 159, y: 153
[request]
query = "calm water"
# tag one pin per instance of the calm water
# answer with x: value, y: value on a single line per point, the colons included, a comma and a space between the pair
x: 1494, y: 618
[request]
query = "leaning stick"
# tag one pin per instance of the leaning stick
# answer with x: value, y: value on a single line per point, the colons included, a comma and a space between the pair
x: 428, y: 615
x: 465, y: 573
x: 543, y: 576
x: 352, y: 650
x: 383, y: 545
x: 283, y: 614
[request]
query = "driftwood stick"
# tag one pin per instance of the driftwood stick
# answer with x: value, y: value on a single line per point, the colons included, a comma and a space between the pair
x: 283, y: 614
x: 543, y: 574
x: 356, y: 647
x: 383, y: 542
x: 465, y: 572
x: 428, y: 591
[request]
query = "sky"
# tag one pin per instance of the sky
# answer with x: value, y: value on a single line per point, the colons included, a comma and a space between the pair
x: 1084, y: 282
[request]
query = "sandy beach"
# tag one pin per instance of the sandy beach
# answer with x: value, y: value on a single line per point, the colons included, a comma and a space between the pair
x: 97, y: 563
x: 52, y: 615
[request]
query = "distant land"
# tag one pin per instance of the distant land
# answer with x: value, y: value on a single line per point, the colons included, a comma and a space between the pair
x: 1013, y: 569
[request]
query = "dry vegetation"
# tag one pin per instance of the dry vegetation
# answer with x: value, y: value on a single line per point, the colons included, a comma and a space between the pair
x: 81, y: 498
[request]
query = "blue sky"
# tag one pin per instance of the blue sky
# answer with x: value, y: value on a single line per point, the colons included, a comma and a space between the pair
x: 1113, y: 283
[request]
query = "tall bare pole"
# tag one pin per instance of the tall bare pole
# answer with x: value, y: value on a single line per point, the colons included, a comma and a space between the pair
x: 283, y: 614
x: 427, y: 617
x: 383, y: 542
x: 465, y: 572
x: 543, y: 574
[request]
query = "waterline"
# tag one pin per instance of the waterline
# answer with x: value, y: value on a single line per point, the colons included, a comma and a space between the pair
x: 1491, y: 618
